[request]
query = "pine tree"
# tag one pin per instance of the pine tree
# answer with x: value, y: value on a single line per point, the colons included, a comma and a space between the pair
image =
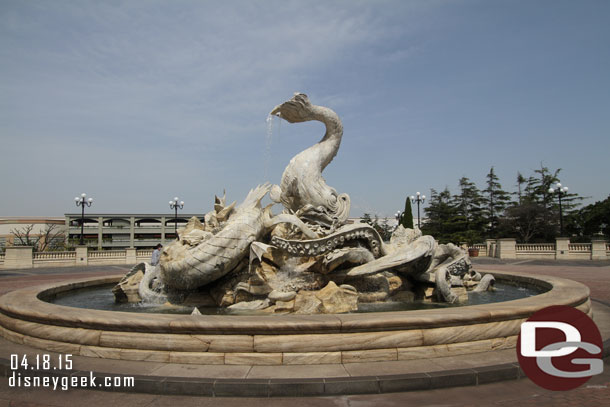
x: 520, y: 181
x: 407, y: 217
x: 496, y: 200
x: 468, y: 203
x: 441, y: 216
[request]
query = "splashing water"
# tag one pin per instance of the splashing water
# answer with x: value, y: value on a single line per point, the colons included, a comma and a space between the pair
x: 269, y: 142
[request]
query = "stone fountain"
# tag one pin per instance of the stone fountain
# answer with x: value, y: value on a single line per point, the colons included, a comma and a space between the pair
x: 309, y: 265
x: 308, y: 259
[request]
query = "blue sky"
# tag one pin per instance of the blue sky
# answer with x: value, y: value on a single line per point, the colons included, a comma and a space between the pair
x: 137, y: 102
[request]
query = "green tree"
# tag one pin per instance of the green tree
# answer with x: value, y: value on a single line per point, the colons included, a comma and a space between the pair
x: 406, y: 220
x: 495, y: 201
x: 442, y: 219
x: 520, y: 181
x: 590, y: 221
x: 524, y: 222
x: 468, y: 204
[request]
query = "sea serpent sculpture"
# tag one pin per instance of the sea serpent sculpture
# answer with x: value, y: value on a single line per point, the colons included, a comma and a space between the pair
x: 307, y: 259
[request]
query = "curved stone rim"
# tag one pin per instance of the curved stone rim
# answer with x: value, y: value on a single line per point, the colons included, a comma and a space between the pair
x: 26, y: 304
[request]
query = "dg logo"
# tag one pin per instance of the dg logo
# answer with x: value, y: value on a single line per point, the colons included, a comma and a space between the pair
x: 560, y: 348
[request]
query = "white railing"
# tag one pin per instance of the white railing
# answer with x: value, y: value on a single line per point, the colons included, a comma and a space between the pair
x: 107, y: 254
x: 54, y: 256
x: 144, y: 253
x: 580, y: 247
x: 535, y: 247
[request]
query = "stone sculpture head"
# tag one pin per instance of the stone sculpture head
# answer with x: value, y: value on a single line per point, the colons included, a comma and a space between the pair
x: 297, y: 109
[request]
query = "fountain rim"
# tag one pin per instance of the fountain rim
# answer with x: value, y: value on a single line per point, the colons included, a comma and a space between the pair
x: 27, y: 304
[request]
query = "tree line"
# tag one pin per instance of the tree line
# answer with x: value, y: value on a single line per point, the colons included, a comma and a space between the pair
x: 530, y: 213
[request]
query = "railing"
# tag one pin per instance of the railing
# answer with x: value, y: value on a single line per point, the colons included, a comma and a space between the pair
x: 107, y: 254
x: 144, y: 253
x: 54, y: 256
x: 537, y: 247
x: 580, y: 247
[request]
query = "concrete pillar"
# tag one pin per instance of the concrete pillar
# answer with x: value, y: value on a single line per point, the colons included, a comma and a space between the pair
x: 100, y: 232
x: 163, y: 230
x: 507, y: 248
x: 491, y: 247
x: 562, y: 248
x: 598, y: 249
x: 18, y: 257
x: 132, y: 231
x: 82, y: 258
x: 67, y: 239
x: 131, y: 256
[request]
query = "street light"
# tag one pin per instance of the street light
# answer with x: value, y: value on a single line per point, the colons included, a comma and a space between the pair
x: 561, y: 191
x: 175, y: 204
x: 420, y: 200
x: 82, y: 201
x: 398, y: 216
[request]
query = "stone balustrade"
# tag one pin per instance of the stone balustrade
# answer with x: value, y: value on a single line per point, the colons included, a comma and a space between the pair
x: 19, y: 257
x: 535, y: 248
x: 562, y: 249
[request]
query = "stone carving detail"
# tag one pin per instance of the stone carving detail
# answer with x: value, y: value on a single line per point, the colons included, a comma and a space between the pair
x: 303, y: 190
x: 307, y: 259
x: 358, y: 232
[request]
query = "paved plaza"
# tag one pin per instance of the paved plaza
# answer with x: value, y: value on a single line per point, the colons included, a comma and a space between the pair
x: 521, y: 392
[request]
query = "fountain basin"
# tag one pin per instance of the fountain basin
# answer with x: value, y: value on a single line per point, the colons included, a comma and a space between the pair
x: 276, y: 339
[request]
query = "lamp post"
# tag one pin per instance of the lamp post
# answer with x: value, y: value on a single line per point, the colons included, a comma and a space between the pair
x: 419, y: 200
x: 175, y: 204
x: 398, y: 216
x: 82, y: 202
x: 561, y: 191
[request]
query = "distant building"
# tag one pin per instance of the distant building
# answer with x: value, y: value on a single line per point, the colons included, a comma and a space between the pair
x: 121, y: 231
x: 35, y: 227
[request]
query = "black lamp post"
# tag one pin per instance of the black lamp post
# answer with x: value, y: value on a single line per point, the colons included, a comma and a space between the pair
x: 175, y: 204
x: 419, y: 200
x: 82, y: 202
x: 561, y: 191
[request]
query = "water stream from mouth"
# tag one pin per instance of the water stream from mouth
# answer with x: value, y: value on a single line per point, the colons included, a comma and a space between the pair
x: 269, y: 142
